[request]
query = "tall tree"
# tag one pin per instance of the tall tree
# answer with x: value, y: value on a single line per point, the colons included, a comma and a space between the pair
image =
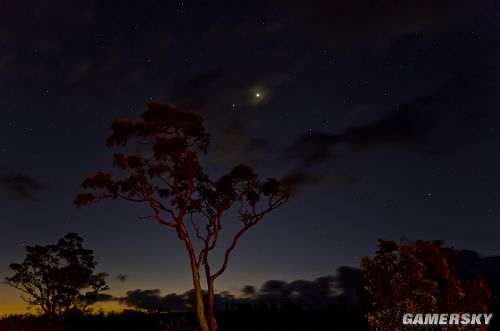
x: 419, y: 277
x: 58, y: 278
x: 166, y: 174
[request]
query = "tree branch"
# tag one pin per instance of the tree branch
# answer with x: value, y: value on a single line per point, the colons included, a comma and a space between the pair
x: 250, y: 223
x: 159, y: 220
x: 230, y: 249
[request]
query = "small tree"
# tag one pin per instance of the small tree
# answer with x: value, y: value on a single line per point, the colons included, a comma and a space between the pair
x: 419, y: 277
x: 58, y: 278
x: 169, y: 178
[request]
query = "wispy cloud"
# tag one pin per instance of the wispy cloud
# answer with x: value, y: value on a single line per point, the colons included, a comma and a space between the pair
x: 19, y: 186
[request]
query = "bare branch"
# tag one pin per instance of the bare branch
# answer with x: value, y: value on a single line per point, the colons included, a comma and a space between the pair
x: 257, y: 216
x: 130, y: 199
x: 159, y: 220
x: 230, y: 249
x: 196, y: 229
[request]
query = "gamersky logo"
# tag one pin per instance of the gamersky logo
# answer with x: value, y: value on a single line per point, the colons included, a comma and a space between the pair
x: 447, y: 319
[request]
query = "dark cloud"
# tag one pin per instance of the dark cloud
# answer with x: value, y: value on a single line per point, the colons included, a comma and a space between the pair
x: 273, y: 286
x: 152, y: 300
x: 200, y: 85
x: 316, y: 293
x: 404, y: 126
x: 121, y: 277
x: 297, y: 178
x: 432, y: 124
x: 300, y: 176
x: 321, y: 292
x: 18, y: 186
x: 248, y: 290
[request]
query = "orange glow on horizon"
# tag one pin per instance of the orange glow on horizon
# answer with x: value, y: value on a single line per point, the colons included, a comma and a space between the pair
x: 12, y: 308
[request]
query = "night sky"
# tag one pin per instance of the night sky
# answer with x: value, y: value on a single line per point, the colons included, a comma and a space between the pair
x: 384, y: 115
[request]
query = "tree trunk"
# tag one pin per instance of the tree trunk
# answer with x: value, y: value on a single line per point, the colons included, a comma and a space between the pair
x: 195, y: 272
x: 200, y: 307
x: 211, y: 305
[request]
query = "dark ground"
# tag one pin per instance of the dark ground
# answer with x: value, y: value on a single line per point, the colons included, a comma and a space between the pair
x: 249, y: 319
x: 245, y: 318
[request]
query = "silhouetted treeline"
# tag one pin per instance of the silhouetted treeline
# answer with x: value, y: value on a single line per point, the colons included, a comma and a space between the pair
x: 243, y: 317
x: 344, y: 290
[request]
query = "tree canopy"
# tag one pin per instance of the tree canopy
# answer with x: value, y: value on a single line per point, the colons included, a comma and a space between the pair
x: 58, y: 278
x: 419, y: 277
x: 165, y: 173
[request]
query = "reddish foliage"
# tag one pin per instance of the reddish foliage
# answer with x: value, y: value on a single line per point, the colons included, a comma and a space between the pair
x: 419, y: 277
